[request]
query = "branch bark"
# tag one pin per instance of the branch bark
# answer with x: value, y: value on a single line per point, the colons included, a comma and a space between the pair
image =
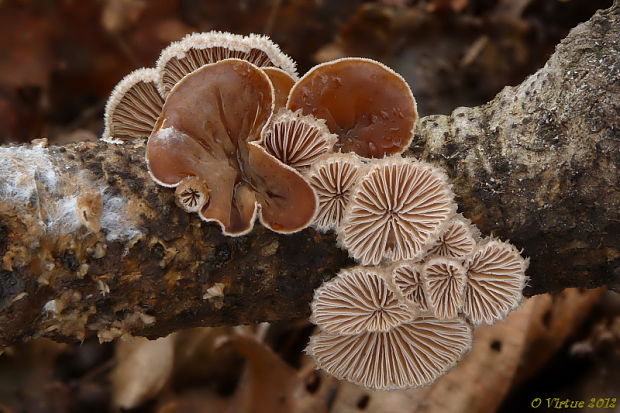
x: 90, y: 245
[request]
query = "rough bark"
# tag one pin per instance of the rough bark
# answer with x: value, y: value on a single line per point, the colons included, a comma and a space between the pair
x: 90, y: 245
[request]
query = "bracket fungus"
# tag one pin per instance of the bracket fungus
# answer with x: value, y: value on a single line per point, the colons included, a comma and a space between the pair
x: 199, y: 49
x: 358, y: 299
x: 282, y: 83
x: 444, y: 286
x: 133, y: 107
x: 410, y: 355
x: 397, y: 211
x: 297, y: 140
x: 368, y: 105
x: 333, y: 178
x: 496, y: 277
x: 210, y: 127
x: 407, y: 277
x: 458, y: 240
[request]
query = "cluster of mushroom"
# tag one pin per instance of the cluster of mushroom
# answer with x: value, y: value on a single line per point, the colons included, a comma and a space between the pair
x: 240, y: 136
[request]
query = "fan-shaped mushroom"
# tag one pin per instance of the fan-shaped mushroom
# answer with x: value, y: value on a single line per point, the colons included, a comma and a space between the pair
x: 282, y: 83
x: 444, y: 285
x: 407, y: 277
x: 458, y: 240
x: 496, y: 277
x: 410, y: 355
x: 192, y: 194
x: 198, y: 49
x: 368, y: 105
x: 333, y: 178
x: 397, y: 211
x: 133, y: 107
x: 358, y: 300
x: 210, y: 128
x: 297, y: 140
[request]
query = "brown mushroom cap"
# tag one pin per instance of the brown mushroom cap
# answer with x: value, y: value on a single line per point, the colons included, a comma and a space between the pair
x: 458, y: 240
x: 333, y: 178
x: 496, y: 277
x: 297, y: 140
x: 407, y: 277
x: 209, y: 128
x: 368, y: 105
x: 358, y: 300
x: 397, y: 210
x: 282, y: 83
x: 133, y: 107
x: 198, y: 49
x: 413, y: 354
x: 444, y: 286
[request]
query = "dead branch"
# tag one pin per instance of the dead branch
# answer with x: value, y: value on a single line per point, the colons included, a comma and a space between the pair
x: 90, y: 245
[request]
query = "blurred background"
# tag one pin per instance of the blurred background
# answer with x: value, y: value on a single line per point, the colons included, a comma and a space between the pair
x: 60, y: 59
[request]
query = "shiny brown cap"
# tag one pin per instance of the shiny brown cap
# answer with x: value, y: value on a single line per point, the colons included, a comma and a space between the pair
x: 368, y: 105
x: 209, y: 128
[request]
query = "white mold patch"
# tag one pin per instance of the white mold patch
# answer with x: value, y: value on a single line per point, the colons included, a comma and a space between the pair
x: 116, y: 221
x: 30, y: 183
x: 20, y: 168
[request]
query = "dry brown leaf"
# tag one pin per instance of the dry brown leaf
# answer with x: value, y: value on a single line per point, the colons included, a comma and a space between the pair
x: 269, y: 385
x: 143, y: 368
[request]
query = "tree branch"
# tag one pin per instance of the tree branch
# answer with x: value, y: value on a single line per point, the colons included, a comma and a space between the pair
x: 90, y: 245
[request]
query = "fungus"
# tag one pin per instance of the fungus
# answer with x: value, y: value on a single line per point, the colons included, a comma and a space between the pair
x: 358, y: 300
x: 396, y: 212
x: 410, y: 355
x: 198, y: 49
x: 333, y: 178
x: 282, y: 83
x: 496, y: 277
x: 407, y: 278
x: 133, y: 107
x: 191, y: 194
x: 297, y: 140
x: 368, y: 105
x: 210, y: 128
x: 444, y: 285
x: 458, y: 241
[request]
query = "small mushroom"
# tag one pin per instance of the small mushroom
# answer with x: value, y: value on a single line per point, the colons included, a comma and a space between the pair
x: 282, y: 83
x: 444, y: 286
x: 297, y: 140
x: 496, y: 277
x: 133, y: 107
x: 210, y: 128
x: 368, y: 105
x: 407, y: 278
x: 192, y: 194
x: 358, y: 300
x: 413, y: 354
x: 333, y: 178
x: 397, y: 211
x: 198, y: 49
x: 458, y: 240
